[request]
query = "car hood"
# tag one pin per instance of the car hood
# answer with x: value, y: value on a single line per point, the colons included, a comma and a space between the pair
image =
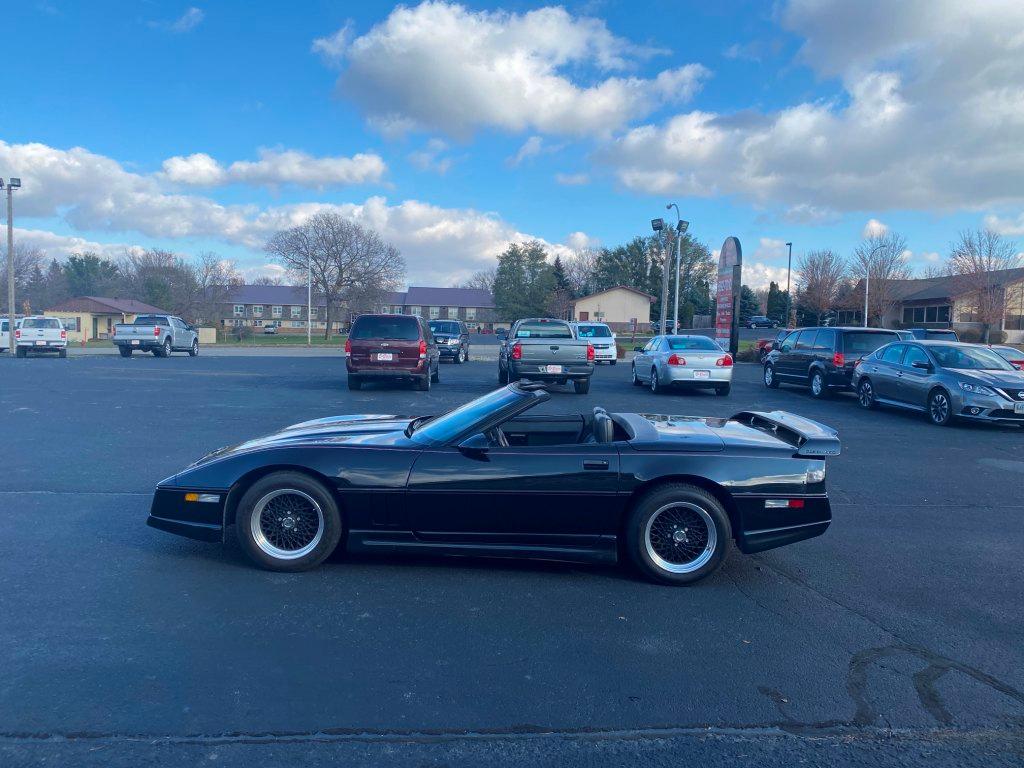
x: 364, y: 429
x: 1001, y: 379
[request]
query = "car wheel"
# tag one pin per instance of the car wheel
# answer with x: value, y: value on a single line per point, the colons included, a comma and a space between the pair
x: 422, y: 383
x: 458, y: 357
x: 125, y: 351
x: 502, y: 375
x: 582, y: 386
x: 465, y: 355
x: 818, y: 387
x: 769, y: 377
x: 164, y: 350
x: 20, y: 352
x: 636, y: 381
x: 678, y: 534
x: 612, y: 362
x: 194, y: 351
x: 287, y: 521
x: 655, y: 386
x: 723, y: 391
x: 354, y: 383
x: 436, y: 375
x: 62, y: 353
x: 940, y: 410
x: 866, y: 394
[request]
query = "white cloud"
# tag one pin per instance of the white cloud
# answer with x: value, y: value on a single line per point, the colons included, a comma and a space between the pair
x: 531, y: 148
x: 758, y: 275
x: 189, y: 20
x: 929, y: 116
x: 572, y: 179
x: 441, y: 66
x: 874, y: 228
x: 580, y: 240
x: 277, y: 167
x: 429, y: 158
x: 60, y: 246
x: 332, y: 47
x: 1009, y: 227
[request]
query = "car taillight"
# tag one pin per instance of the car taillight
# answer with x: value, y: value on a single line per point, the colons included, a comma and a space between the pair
x: 17, y: 333
x: 675, y: 359
x: 517, y: 351
x: 838, y: 360
x: 348, y: 346
x: 63, y: 335
x: 156, y: 331
x: 724, y: 361
x: 590, y: 351
x: 423, y: 348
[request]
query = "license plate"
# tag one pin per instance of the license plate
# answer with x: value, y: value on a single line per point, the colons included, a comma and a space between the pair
x: 1018, y: 407
x: 135, y: 342
x: 385, y: 357
x: 40, y: 343
x: 702, y: 374
x: 553, y: 368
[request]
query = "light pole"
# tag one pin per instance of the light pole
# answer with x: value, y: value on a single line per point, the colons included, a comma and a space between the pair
x: 658, y: 225
x: 309, y: 301
x: 867, y: 279
x: 789, y: 271
x: 12, y: 184
x: 681, y: 227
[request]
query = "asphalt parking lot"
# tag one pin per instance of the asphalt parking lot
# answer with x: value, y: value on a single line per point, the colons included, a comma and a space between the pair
x: 895, y: 638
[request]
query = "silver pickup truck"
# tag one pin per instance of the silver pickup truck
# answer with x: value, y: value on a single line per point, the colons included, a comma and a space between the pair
x: 159, y: 334
x: 544, y: 349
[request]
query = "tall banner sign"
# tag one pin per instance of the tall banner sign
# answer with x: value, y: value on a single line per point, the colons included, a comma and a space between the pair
x: 727, y: 296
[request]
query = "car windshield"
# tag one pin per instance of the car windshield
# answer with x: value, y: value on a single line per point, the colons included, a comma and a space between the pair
x: 390, y: 327
x: 149, y: 320
x: 1009, y: 353
x: 543, y: 329
x: 593, y: 331
x: 462, y: 420
x: 41, y: 322
x: 969, y: 358
x: 693, y: 342
x: 865, y: 342
x: 445, y: 326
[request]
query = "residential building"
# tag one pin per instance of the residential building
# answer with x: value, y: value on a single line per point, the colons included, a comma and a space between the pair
x: 622, y: 308
x: 475, y: 306
x: 94, y: 317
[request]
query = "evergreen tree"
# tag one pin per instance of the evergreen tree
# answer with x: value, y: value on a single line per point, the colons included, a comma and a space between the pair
x: 524, y: 282
x: 89, y: 275
x: 776, y: 305
x: 748, y: 304
x: 558, y: 269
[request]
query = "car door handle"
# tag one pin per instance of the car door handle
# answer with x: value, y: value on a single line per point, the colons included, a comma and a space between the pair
x: 595, y: 464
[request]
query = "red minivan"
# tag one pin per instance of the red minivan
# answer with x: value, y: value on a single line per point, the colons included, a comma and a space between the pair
x: 390, y: 347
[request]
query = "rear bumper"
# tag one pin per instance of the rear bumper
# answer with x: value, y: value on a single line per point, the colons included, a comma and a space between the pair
x: 55, y: 345
x: 375, y: 372
x: 684, y: 377
x: 537, y: 372
x: 146, y: 344
x: 762, y: 528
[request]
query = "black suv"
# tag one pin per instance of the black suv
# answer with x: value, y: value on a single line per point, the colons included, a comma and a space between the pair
x: 452, y: 339
x: 822, y: 358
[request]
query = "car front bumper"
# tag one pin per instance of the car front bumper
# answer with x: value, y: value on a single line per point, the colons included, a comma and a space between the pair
x: 968, y: 405
x: 201, y: 520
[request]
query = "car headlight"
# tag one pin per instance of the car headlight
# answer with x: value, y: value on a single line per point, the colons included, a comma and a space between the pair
x: 977, y: 389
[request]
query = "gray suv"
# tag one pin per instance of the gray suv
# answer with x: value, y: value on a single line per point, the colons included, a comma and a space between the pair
x: 945, y: 380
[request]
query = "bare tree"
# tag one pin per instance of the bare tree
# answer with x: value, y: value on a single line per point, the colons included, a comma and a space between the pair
x: 820, y: 276
x: 26, y: 261
x: 269, y: 280
x: 882, y: 257
x: 581, y: 271
x: 483, y: 279
x: 214, y: 279
x: 973, y: 259
x: 349, y: 263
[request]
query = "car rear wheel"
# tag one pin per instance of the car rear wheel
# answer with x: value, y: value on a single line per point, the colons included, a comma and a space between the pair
x: 423, y: 383
x: 287, y: 521
x: 723, y: 390
x: 866, y: 394
x: 436, y: 375
x: 678, y: 534
x: 582, y: 386
x: 655, y: 386
x: 769, y: 377
x: 63, y: 353
x: 818, y: 386
x: 354, y: 383
x: 940, y: 411
x: 125, y: 351
x: 502, y: 375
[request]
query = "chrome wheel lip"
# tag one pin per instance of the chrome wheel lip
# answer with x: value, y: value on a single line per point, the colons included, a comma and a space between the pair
x: 260, y: 538
x: 939, y: 408
x: 865, y: 394
x: 697, y: 563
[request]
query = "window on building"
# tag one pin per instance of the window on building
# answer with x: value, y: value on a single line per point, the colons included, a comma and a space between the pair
x: 314, y: 312
x: 471, y: 313
x: 435, y: 312
x: 296, y: 312
x: 937, y: 313
x: 276, y: 311
x: 453, y: 313
x: 297, y: 324
x: 239, y: 310
x: 257, y: 309
x: 415, y: 311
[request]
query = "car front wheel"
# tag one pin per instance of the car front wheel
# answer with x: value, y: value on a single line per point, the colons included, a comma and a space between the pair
x: 287, y: 521
x: 636, y: 381
x: 678, y: 534
x: 940, y: 410
x: 866, y: 394
x: 655, y: 386
x: 769, y: 377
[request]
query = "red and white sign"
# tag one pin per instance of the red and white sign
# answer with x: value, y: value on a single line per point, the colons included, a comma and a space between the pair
x: 727, y: 295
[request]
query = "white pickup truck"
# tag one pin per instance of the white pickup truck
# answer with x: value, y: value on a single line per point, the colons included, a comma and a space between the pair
x: 40, y: 334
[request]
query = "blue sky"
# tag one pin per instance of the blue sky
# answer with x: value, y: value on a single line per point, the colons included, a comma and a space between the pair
x: 204, y: 127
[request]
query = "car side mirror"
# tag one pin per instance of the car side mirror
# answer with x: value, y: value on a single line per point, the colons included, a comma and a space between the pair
x: 638, y: 349
x: 922, y: 364
x: 475, y: 446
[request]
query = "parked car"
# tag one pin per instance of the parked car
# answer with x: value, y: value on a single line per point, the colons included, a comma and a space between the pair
x: 391, y: 348
x: 945, y: 380
x: 545, y: 349
x: 5, y: 335
x: 760, y: 321
x: 159, y: 334
x: 603, y: 339
x: 657, y: 329
x: 1012, y: 355
x: 501, y: 334
x: 822, y: 358
x: 683, y: 362
x: 905, y: 335
x: 941, y: 334
x: 40, y: 334
x: 764, y: 346
x: 488, y: 479
x: 270, y: 329
x: 452, y: 339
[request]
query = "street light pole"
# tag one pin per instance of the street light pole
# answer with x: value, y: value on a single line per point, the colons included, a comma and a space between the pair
x: 867, y: 280
x: 309, y: 301
x: 789, y: 271
x: 681, y: 227
x: 12, y: 184
x: 658, y: 225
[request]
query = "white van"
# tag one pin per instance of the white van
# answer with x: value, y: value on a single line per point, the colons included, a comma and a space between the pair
x: 601, y: 338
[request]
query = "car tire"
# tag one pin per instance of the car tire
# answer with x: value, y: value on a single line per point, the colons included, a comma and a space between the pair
x: 723, y: 391
x: 125, y: 351
x: 164, y: 350
x: 276, y: 545
x: 770, y: 380
x: 866, y: 394
x: 819, y: 389
x: 465, y: 355
x: 659, y: 530
x: 354, y: 383
x: 435, y: 377
x: 458, y: 357
x: 940, y: 408
x: 612, y: 362
x: 194, y: 349
x: 62, y: 353
x: 422, y: 383
x: 502, y: 375
x: 636, y: 381
x: 20, y: 352
x: 654, y: 384
x: 582, y: 386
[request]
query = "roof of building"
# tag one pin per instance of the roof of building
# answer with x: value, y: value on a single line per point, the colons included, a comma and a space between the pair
x: 267, y: 294
x: 104, y: 305
x: 415, y: 296
x: 450, y: 297
x: 948, y: 286
x: 637, y: 291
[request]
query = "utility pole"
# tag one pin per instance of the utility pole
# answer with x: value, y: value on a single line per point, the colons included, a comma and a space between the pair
x: 12, y: 184
x: 681, y: 227
x: 309, y: 301
x: 789, y: 300
x: 658, y: 225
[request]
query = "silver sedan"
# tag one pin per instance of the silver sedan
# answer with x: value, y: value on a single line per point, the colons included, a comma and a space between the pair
x: 695, y: 362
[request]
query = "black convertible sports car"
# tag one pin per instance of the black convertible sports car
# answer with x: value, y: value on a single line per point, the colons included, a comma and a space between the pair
x: 668, y: 492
